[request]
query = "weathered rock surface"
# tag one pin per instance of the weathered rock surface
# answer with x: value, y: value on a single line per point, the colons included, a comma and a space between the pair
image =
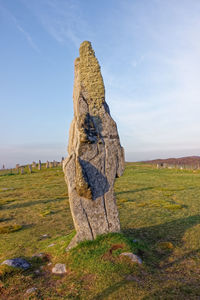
x: 17, y: 263
x: 31, y: 290
x: 59, y: 269
x: 96, y: 157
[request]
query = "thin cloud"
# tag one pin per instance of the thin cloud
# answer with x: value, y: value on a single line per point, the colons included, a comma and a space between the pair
x: 27, y: 35
x: 28, y: 38
x: 161, y: 94
x: 62, y: 19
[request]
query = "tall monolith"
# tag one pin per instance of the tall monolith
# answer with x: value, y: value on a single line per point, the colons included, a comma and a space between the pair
x: 95, y: 157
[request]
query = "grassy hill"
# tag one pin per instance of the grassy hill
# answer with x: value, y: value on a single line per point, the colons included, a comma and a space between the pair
x: 188, y: 160
x: 160, y: 219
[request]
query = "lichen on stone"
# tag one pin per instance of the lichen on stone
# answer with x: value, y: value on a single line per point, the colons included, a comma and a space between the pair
x: 82, y: 186
x: 90, y: 77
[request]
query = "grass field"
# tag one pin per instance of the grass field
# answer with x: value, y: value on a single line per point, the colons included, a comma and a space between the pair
x: 160, y: 221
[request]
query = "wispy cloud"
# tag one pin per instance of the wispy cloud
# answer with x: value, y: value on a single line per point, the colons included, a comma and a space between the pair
x: 161, y: 93
x: 62, y: 19
x: 25, y: 33
x: 27, y: 36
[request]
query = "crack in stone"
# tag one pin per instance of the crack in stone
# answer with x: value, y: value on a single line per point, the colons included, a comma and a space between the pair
x: 104, y: 201
x: 105, y: 209
x: 87, y: 220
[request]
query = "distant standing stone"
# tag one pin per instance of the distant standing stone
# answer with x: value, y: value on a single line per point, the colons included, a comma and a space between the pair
x: 62, y: 160
x: 59, y: 269
x: 34, y: 165
x: 22, y: 170
x: 51, y: 164
x: 17, y: 168
x: 47, y: 164
x: 39, y: 165
x: 17, y: 263
x: 55, y: 163
x: 30, y: 168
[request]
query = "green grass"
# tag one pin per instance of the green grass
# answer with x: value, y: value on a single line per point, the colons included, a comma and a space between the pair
x: 159, y: 209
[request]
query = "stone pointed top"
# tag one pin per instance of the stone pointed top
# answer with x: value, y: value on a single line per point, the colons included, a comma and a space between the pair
x: 86, y: 49
x: 86, y: 44
x: 90, y: 76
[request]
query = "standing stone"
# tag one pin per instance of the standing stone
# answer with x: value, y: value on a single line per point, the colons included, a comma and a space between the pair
x: 62, y: 161
x: 51, y: 164
x: 34, y: 165
x: 17, y: 168
x: 95, y: 157
x: 39, y: 165
x: 22, y: 170
x: 30, y: 168
x: 55, y: 163
x: 47, y: 164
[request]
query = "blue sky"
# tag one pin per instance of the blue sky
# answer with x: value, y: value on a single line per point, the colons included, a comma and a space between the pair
x: 149, y: 52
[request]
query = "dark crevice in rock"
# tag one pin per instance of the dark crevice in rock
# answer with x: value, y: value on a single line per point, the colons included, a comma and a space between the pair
x: 105, y: 209
x: 104, y: 201
x: 106, y: 107
x: 83, y: 98
x: 89, y: 225
x: 117, y: 167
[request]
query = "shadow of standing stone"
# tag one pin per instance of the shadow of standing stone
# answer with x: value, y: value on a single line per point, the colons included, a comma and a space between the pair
x: 97, y: 182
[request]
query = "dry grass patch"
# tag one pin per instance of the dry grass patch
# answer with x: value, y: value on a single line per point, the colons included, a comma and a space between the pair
x: 9, y: 228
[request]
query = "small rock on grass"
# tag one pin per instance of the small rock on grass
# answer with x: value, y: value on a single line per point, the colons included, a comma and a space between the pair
x: 41, y: 255
x: 134, y: 258
x: 51, y: 245
x: 59, y: 269
x: 31, y: 290
x: 17, y: 263
x: 131, y: 278
x: 44, y: 236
